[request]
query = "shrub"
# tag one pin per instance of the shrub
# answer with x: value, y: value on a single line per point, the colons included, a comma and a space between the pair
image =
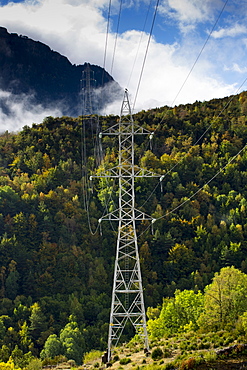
x: 157, y: 354
x: 91, y: 356
x: 241, y: 348
x: 188, y: 364
x: 200, y: 345
x: 125, y: 361
x: 53, y: 361
x: 210, y: 356
x: 184, y: 345
x: 34, y: 364
x: 167, y: 353
x: 192, y: 346
x: 71, y: 363
x: 228, y: 340
x: 170, y: 366
x: 115, y: 358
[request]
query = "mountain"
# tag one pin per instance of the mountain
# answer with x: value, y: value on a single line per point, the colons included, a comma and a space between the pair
x: 30, y: 67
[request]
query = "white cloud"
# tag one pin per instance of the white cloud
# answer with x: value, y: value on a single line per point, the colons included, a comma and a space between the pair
x: 77, y: 29
x: 232, y: 31
x: 164, y: 73
x: 189, y: 11
x: 236, y: 68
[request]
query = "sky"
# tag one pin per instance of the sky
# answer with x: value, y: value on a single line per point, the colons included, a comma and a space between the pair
x: 197, y: 51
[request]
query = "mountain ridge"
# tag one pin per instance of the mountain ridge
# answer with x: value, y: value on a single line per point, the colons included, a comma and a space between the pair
x: 33, y: 68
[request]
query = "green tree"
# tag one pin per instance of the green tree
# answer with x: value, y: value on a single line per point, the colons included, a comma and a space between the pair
x: 9, y: 200
x: 21, y: 359
x: 37, y: 320
x: 180, y: 261
x: 4, y: 353
x: 2, y: 329
x: 225, y: 299
x: 178, y: 314
x: 21, y: 312
x: 72, y: 341
x: 11, y: 283
x: 34, y: 364
x: 25, y: 339
x: 53, y: 347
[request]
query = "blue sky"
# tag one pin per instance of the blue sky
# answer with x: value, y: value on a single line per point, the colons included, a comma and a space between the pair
x: 77, y: 29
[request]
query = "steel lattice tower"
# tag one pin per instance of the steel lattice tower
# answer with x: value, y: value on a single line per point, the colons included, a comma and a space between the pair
x: 127, y: 294
x: 88, y: 86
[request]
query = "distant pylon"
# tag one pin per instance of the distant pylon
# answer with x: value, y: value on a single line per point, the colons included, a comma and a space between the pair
x: 127, y: 294
x: 88, y: 87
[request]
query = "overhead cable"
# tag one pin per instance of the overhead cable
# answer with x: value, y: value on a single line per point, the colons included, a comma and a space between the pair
x: 142, y: 33
x: 115, y: 44
x: 197, y: 141
x: 194, y: 194
x: 146, y: 52
x: 107, y: 35
x: 200, y: 53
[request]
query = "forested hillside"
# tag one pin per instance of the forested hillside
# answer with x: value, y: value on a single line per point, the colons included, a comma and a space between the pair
x: 56, y: 277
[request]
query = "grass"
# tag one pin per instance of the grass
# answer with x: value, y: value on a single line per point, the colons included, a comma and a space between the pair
x: 179, y: 352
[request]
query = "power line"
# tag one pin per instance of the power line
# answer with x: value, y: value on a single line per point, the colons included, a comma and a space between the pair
x: 141, y: 74
x: 208, y: 182
x: 142, y: 33
x: 116, y: 38
x: 200, y: 53
x: 146, y: 52
x: 198, y: 56
x: 222, y: 110
x: 142, y: 69
x: 198, y: 140
x: 93, y: 123
x: 195, y: 62
x: 201, y: 188
x: 106, y: 39
x: 87, y: 195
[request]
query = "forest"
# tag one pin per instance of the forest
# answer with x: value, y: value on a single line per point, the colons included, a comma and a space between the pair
x: 56, y: 275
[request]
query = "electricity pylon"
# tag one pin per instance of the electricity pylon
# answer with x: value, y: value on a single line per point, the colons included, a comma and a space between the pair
x: 127, y: 294
x: 88, y: 85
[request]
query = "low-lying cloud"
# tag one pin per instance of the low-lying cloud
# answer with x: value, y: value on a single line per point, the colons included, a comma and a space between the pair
x: 17, y: 111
